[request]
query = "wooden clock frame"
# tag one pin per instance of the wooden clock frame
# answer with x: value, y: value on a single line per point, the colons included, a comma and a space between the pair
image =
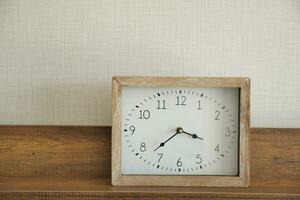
x: 241, y: 180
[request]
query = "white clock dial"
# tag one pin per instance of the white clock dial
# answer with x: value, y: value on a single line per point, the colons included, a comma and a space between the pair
x: 180, y: 131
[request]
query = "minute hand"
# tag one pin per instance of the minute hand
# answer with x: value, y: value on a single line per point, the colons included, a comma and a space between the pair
x: 163, y: 143
x: 193, y: 135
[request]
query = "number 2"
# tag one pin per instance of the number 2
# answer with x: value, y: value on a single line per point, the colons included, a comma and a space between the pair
x: 218, y: 115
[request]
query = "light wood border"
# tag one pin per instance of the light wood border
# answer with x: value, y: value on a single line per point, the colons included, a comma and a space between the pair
x: 242, y: 180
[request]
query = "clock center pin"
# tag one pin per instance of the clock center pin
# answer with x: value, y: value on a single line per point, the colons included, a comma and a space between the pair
x: 179, y: 130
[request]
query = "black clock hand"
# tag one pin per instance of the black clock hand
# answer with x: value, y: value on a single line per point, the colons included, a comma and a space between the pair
x: 179, y: 130
x: 163, y: 143
x: 193, y: 135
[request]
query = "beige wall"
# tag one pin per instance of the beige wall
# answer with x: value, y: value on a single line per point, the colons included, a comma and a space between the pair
x: 57, y: 57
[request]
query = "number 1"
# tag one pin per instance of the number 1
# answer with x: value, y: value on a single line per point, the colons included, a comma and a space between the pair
x: 199, y: 105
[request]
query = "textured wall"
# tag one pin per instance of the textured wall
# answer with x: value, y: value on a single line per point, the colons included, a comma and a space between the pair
x: 57, y: 57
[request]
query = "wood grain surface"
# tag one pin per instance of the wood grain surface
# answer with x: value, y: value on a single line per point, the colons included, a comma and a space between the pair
x: 41, y: 162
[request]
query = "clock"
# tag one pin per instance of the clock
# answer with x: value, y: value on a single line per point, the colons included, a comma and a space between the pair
x: 180, y: 131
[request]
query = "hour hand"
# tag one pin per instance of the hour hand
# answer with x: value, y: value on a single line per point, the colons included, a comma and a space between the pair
x: 195, y: 136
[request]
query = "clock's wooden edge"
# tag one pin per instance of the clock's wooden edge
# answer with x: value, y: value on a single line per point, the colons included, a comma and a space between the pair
x: 187, y: 181
x: 181, y: 81
x: 115, y: 134
x: 245, y: 132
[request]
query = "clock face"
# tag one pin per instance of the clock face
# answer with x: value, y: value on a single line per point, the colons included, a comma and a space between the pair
x: 180, y: 131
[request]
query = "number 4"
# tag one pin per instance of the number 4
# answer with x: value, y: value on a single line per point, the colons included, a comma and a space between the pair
x: 217, y: 148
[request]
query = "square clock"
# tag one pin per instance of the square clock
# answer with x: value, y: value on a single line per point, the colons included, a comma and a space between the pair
x: 180, y: 131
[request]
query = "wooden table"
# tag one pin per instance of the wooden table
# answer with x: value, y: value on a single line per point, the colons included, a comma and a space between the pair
x: 39, y: 162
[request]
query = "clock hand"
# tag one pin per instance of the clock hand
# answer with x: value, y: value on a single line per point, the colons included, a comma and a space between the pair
x: 163, y: 143
x: 179, y: 130
x: 193, y: 135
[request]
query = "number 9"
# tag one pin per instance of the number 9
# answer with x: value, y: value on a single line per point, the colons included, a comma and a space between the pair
x: 132, y: 129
